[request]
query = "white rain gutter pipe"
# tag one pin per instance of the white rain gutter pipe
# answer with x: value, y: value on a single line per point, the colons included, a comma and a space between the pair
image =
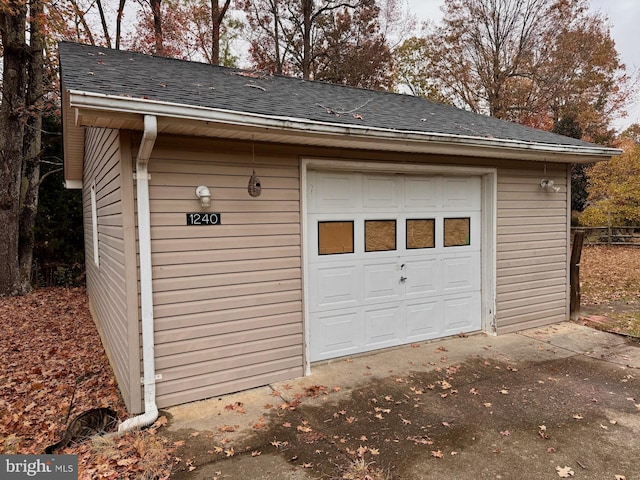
x: 146, y: 290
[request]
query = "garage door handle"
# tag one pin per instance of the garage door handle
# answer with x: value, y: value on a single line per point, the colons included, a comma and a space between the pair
x: 402, y: 279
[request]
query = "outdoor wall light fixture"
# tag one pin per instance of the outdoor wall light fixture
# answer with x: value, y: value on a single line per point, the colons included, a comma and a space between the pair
x: 203, y: 193
x: 548, y: 185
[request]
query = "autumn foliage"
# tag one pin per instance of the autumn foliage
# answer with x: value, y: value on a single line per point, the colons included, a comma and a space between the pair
x: 51, y: 352
x: 614, y: 191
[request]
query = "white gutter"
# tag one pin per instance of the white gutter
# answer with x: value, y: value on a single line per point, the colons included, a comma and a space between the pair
x: 146, y: 291
x: 117, y: 104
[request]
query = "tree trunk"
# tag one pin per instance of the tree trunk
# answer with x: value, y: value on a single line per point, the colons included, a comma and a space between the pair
x: 13, y: 15
x: 307, y: 11
x: 103, y: 20
x: 32, y: 145
x: 276, y: 36
x: 156, y: 9
x: 217, y: 15
x: 119, y: 23
x: 574, y: 275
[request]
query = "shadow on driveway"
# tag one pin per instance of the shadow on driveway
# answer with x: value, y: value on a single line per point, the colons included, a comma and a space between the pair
x: 541, y: 403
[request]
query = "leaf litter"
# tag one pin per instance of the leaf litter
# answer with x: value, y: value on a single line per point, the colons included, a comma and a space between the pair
x: 52, y: 352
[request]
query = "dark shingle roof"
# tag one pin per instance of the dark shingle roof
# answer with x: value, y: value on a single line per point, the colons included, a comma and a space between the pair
x: 113, y: 72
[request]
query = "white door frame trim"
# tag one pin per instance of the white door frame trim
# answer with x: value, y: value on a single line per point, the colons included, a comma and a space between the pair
x: 489, y: 178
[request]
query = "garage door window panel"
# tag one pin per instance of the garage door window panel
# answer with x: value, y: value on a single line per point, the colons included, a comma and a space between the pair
x: 379, y: 235
x: 335, y: 238
x: 421, y: 233
x: 457, y: 232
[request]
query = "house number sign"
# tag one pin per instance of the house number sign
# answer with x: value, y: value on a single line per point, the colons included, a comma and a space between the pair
x: 204, y: 219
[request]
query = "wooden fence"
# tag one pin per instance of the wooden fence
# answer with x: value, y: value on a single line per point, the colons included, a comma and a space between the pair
x: 629, y: 236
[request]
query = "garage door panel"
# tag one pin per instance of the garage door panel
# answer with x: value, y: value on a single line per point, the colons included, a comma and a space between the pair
x: 382, y: 326
x: 381, y: 282
x: 460, y: 193
x: 336, y: 334
x: 380, y: 192
x: 335, y: 287
x: 334, y: 191
x: 422, y: 193
x: 460, y: 274
x: 423, y: 277
x: 461, y: 313
x: 424, y: 320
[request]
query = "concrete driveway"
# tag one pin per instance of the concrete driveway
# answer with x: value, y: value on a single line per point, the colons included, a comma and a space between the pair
x: 556, y: 402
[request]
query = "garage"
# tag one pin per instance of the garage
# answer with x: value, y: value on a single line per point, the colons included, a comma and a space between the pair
x: 393, y: 259
x: 346, y: 221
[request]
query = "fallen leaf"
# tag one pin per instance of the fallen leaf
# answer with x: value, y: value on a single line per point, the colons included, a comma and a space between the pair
x: 437, y: 454
x: 564, y: 472
x: 577, y: 416
x: 505, y: 433
x: 256, y: 453
x: 161, y: 421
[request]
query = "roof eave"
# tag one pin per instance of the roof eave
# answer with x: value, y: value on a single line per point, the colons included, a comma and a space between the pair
x: 127, y: 112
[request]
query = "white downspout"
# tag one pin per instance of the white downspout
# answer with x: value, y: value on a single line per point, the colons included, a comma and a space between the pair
x: 146, y: 291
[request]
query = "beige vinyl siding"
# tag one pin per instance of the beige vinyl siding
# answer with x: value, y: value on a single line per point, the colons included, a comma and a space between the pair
x: 531, y: 247
x: 107, y: 283
x: 227, y: 298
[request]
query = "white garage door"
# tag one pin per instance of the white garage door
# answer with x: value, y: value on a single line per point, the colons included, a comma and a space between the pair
x: 393, y: 259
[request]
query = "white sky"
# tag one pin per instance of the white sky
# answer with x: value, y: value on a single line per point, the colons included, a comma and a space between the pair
x: 623, y: 16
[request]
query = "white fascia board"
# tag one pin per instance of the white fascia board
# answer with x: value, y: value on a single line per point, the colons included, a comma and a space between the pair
x: 115, y: 104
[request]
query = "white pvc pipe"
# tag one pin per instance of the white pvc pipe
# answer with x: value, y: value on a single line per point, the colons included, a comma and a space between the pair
x: 146, y: 290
